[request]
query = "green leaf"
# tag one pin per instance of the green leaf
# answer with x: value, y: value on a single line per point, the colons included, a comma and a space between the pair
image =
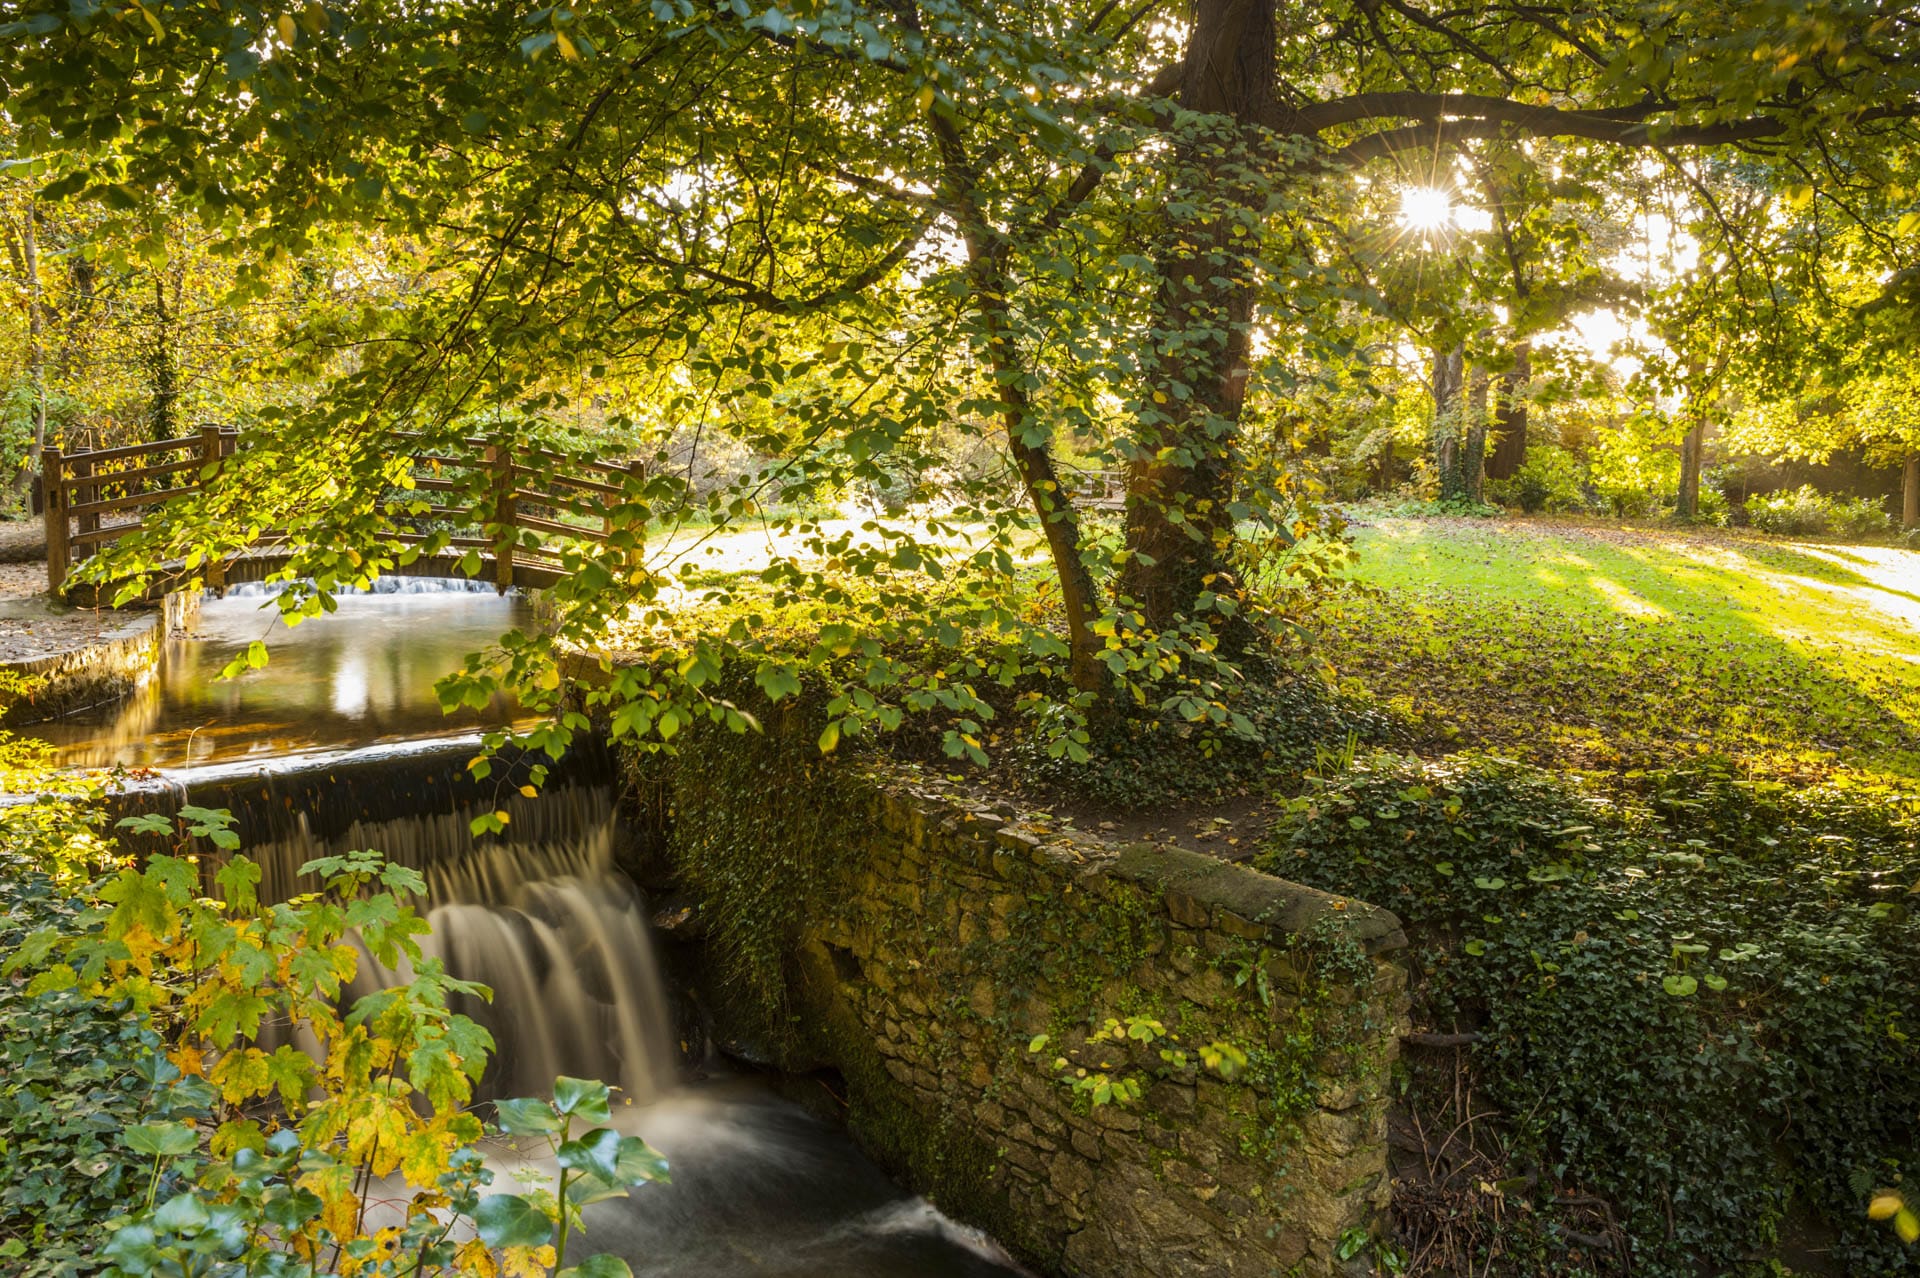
x: 602, y: 1266
x: 597, y: 1152
x: 527, y: 1116
x: 1679, y: 984
x: 182, y: 1214
x: 586, y: 1099
x: 161, y: 1140
x: 508, y: 1220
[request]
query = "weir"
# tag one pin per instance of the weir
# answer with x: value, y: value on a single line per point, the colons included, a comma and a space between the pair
x: 544, y: 915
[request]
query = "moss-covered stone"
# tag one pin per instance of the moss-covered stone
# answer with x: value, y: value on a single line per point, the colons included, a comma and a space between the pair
x: 1119, y: 1060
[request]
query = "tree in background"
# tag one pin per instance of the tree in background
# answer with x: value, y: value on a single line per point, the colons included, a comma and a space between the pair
x: 1071, y: 219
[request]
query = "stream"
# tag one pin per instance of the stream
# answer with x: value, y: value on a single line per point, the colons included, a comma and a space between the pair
x: 339, y: 743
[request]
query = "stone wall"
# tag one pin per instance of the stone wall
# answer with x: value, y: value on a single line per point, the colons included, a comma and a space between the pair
x: 1119, y: 1060
x: 107, y: 670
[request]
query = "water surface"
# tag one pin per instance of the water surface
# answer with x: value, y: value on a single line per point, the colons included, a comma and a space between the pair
x: 360, y: 676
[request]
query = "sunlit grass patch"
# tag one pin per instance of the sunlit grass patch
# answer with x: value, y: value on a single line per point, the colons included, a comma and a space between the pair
x: 1612, y: 647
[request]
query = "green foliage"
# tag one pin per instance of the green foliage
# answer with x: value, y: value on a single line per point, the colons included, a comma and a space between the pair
x: 1807, y: 512
x: 1694, y: 996
x: 80, y: 1070
x: 1861, y: 518
x: 759, y: 859
x: 1284, y: 715
x: 157, y: 1132
x: 1551, y: 480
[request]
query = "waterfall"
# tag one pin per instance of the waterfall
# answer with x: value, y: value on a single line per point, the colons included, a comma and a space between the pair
x: 543, y: 918
x: 395, y: 585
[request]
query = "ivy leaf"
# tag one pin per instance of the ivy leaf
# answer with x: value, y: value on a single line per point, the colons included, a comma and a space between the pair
x: 598, y: 1152
x: 161, y: 1140
x: 526, y: 1116
x: 508, y: 1220
x: 602, y: 1266
x: 583, y: 1098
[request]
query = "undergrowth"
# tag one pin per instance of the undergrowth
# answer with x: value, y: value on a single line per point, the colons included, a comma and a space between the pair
x: 1692, y: 992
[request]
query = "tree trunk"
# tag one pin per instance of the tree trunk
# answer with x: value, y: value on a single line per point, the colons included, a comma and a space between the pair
x: 1449, y: 377
x: 1510, y: 416
x: 36, y: 351
x: 1910, y: 494
x: 1473, y: 447
x: 1027, y: 435
x: 163, y: 371
x: 1692, y: 451
x: 1180, y: 477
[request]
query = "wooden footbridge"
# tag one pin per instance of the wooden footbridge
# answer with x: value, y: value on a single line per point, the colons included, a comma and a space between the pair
x: 506, y: 513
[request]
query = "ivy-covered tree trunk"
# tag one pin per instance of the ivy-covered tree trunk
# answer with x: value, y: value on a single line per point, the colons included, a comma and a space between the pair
x: 1028, y: 435
x: 29, y: 254
x: 1692, y: 451
x: 163, y: 367
x: 1180, y: 482
x: 1449, y: 408
x: 1510, y: 416
x: 1473, y: 445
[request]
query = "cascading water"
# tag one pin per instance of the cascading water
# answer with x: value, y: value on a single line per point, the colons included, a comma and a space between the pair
x: 545, y: 921
x: 543, y: 915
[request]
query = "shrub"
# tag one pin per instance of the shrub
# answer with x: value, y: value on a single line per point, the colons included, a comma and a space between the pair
x: 1798, y: 512
x: 1693, y: 998
x: 1712, y: 507
x: 146, y: 1129
x: 1861, y: 517
x: 1551, y: 480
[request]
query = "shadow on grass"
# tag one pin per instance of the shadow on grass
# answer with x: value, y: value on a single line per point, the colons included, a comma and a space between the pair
x: 1545, y: 648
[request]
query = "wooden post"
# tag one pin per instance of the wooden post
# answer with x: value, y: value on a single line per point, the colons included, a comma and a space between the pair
x: 83, y: 469
x: 505, y: 531
x: 58, y: 548
x: 629, y: 555
x: 211, y: 449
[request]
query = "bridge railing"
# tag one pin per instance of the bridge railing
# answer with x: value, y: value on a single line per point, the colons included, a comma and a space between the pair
x: 484, y: 495
x: 95, y: 496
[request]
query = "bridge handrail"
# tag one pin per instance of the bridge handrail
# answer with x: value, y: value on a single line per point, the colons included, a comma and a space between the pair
x: 75, y: 484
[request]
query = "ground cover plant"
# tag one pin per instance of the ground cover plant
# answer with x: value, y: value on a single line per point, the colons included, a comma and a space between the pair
x: 1651, y: 814
x: 1691, y: 997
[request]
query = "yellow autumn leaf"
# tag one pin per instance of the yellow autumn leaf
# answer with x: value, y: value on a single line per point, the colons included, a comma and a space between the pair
x: 1907, y: 1225
x: 528, y: 791
x: 527, y: 1262
x: 567, y: 50
x: 923, y: 100
x: 288, y: 32
x: 475, y: 1260
x: 339, y: 1205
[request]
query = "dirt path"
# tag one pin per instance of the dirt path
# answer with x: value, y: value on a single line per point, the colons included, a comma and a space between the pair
x: 31, y: 625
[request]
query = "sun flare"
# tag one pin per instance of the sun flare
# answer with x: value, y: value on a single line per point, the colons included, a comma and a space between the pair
x: 1426, y: 208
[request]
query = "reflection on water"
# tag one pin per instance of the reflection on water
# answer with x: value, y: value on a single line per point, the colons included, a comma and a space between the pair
x: 355, y: 677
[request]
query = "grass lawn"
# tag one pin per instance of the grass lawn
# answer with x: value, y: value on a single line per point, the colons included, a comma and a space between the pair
x: 1606, y: 647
